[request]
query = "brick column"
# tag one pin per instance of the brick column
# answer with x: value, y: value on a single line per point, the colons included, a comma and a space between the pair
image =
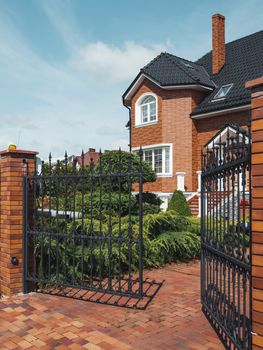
x: 14, y: 164
x: 256, y: 87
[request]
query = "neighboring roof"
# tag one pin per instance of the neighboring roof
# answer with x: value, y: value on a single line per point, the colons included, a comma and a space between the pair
x: 169, y: 70
x: 89, y: 157
x: 244, y: 61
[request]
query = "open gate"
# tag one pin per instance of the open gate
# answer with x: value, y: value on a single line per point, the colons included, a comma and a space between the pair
x: 226, y: 236
x: 83, y: 227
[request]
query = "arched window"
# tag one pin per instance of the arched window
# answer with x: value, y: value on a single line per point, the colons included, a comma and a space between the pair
x: 146, y: 109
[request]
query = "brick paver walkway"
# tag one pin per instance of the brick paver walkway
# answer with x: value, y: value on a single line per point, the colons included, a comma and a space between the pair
x: 173, y: 320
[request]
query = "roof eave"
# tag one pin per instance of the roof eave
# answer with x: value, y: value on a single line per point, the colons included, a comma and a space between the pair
x: 129, y: 93
x: 242, y: 107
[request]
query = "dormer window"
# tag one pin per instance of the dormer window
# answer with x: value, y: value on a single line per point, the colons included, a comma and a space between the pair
x: 146, y: 109
x: 222, y: 92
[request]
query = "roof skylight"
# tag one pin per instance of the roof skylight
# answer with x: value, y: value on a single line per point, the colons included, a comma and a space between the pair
x: 223, y: 91
x: 188, y: 65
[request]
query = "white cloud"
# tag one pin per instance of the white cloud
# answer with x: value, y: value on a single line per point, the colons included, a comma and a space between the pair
x: 114, y: 64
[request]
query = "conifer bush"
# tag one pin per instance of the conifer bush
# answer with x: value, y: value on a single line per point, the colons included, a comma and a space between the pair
x: 178, y: 203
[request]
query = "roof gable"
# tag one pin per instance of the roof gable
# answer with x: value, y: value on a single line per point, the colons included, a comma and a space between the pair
x: 167, y: 70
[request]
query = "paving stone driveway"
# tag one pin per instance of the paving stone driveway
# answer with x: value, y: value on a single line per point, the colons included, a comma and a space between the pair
x: 173, y: 320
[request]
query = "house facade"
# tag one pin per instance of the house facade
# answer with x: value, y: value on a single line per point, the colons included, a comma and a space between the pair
x: 176, y: 106
x: 87, y: 158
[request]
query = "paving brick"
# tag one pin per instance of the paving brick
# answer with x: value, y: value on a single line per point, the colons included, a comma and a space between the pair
x: 172, y: 321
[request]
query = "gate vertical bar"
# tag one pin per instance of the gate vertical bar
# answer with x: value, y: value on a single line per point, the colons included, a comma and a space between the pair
x: 140, y: 226
x: 203, y: 216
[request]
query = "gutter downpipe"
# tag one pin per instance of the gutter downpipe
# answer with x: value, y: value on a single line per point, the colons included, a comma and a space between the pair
x: 129, y: 109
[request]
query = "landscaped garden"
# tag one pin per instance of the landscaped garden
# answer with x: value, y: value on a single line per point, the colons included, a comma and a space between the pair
x: 89, y: 206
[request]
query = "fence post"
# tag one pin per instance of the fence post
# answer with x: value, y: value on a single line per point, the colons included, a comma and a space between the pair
x: 14, y: 164
x: 256, y: 87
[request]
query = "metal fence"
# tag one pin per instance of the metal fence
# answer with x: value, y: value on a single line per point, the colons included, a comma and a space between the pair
x: 226, y: 233
x: 83, y: 226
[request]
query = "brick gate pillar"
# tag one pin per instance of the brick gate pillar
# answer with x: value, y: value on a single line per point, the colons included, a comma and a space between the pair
x: 14, y: 164
x: 256, y: 87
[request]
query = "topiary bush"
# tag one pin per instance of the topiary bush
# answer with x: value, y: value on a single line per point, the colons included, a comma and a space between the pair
x: 178, y: 203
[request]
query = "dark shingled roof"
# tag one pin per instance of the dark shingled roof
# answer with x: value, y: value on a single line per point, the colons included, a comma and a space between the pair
x: 167, y: 70
x: 244, y: 61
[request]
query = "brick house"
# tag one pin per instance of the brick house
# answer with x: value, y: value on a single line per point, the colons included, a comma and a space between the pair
x: 91, y: 156
x: 176, y: 106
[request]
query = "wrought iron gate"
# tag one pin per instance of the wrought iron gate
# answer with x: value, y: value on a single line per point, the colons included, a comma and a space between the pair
x: 225, y: 232
x: 83, y: 226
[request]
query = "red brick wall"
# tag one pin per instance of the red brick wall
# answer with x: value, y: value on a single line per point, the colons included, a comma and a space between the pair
x: 12, y: 170
x: 174, y: 126
x: 218, y: 42
x: 257, y: 211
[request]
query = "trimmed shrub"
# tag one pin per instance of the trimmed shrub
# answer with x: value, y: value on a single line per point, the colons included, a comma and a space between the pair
x: 150, y: 203
x: 171, y: 247
x: 170, y: 221
x: 149, y: 197
x: 178, y: 203
x: 124, y: 162
x: 194, y: 224
x: 167, y: 238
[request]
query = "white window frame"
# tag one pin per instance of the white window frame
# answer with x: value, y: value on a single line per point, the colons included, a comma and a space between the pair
x: 217, y: 97
x: 163, y: 146
x: 138, y: 121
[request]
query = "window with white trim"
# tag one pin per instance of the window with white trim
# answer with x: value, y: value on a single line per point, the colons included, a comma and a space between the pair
x: 159, y: 158
x: 223, y: 91
x: 146, y: 109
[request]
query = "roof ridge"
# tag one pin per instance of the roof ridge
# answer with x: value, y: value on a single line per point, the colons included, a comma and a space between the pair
x: 181, y: 58
x: 243, y: 37
x: 206, y: 72
x: 197, y: 64
x: 192, y: 76
x: 153, y: 60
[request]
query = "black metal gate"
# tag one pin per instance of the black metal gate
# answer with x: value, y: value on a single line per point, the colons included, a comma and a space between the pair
x: 83, y: 226
x: 226, y: 231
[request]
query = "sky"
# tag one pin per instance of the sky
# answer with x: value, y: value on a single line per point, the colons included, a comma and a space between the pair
x: 64, y: 64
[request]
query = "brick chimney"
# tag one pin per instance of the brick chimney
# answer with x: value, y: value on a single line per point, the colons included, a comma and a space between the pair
x: 218, y: 42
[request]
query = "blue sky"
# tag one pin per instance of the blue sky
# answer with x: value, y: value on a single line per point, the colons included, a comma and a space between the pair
x: 64, y: 64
